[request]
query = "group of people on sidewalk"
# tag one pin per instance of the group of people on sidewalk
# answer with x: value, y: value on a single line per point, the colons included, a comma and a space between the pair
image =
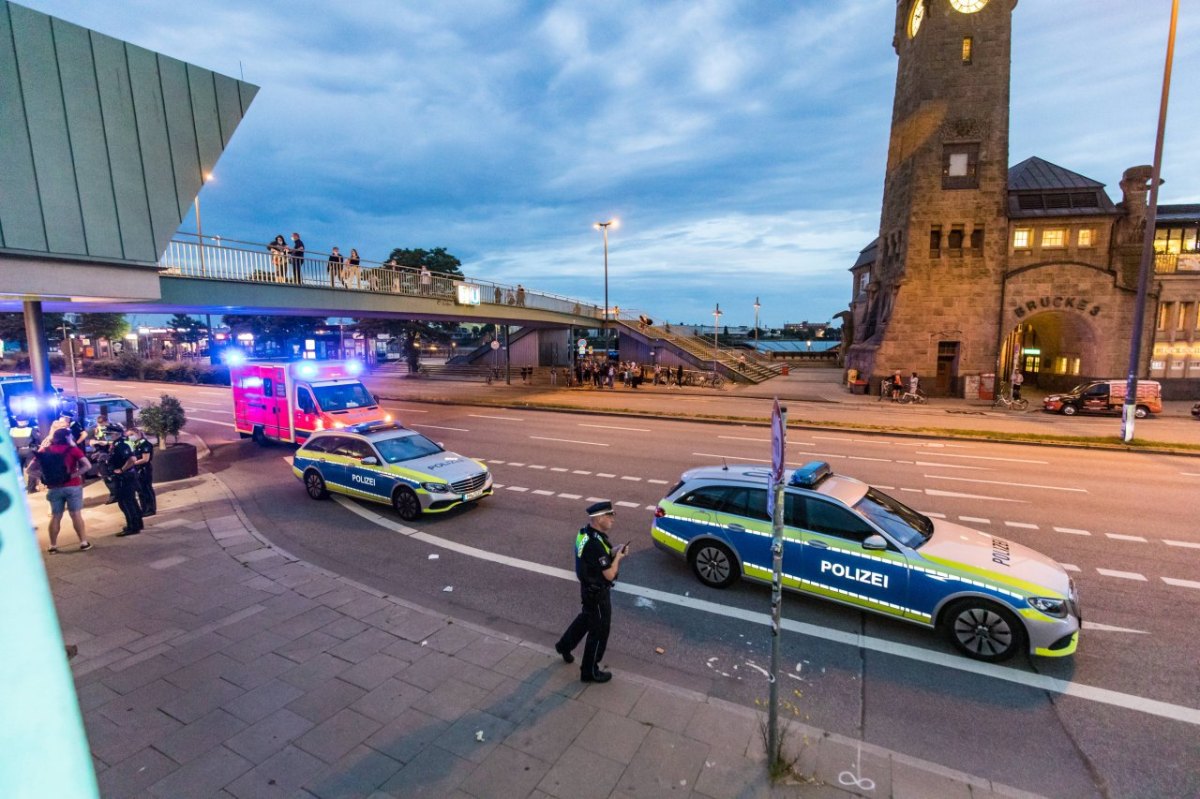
x: 124, y: 459
x: 601, y: 373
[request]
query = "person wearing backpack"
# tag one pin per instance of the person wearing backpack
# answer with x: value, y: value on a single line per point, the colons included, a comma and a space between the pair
x: 61, y: 465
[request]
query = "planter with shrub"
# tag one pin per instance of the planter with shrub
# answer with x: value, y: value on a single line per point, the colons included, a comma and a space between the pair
x: 163, y: 420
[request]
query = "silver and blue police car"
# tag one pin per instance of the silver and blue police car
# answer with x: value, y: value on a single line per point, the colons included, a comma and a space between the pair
x: 385, y: 462
x: 850, y: 543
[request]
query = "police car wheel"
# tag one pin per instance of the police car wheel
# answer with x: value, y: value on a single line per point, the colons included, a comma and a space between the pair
x: 314, y: 484
x: 713, y: 564
x: 1069, y: 410
x: 406, y: 504
x: 983, y: 630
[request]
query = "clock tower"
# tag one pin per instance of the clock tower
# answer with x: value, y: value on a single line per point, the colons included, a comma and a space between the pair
x: 929, y: 300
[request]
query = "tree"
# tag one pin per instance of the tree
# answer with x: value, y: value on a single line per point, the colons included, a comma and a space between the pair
x: 275, y: 329
x: 12, y: 326
x: 110, y: 326
x: 189, y: 328
x: 436, y: 260
x: 162, y: 419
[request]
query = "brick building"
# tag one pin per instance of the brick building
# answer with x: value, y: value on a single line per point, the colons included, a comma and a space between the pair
x: 980, y: 268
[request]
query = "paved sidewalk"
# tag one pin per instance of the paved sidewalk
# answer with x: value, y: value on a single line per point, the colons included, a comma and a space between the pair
x: 212, y: 664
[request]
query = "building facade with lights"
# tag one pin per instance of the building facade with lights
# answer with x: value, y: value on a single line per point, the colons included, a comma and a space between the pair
x: 980, y: 268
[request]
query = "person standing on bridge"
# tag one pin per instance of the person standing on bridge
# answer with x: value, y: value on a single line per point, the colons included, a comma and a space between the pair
x: 278, y: 249
x: 597, y: 565
x: 335, y: 268
x: 426, y: 280
x: 520, y: 296
x: 353, y: 269
x: 297, y: 258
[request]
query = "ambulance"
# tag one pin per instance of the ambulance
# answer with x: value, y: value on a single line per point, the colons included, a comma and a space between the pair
x: 290, y: 400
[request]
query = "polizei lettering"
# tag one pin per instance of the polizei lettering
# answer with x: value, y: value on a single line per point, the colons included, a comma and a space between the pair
x: 366, y: 480
x: 858, y: 575
x: 1000, y: 552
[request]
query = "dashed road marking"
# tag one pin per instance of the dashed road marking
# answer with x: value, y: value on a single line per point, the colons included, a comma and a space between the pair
x: 633, y: 479
x: 614, y: 427
x: 1071, y: 531
x: 494, y: 460
x: 652, y: 507
x: 934, y: 515
x: 623, y: 504
x: 1119, y: 537
x: 1122, y: 575
x: 580, y: 471
x: 516, y: 488
x: 535, y: 466
x: 1071, y: 567
x: 1022, y: 525
x: 975, y: 519
x: 1006, y: 483
x: 542, y: 492
x: 571, y: 441
x: 515, y: 463
x: 595, y: 499
x: 1187, y: 544
x: 570, y: 496
x: 439, y: 427
x: 559, y: 469
x: 656, y: 481
x: 499, y: 418
x: 1181, y: 583
x: 604, y: 474
x: 913, y: 490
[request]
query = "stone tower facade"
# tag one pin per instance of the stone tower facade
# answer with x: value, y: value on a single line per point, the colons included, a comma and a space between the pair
x: 931, y: 299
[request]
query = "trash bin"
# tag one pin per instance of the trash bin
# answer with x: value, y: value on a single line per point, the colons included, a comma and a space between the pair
x: 859, y: 387
x: 987, y: 386
x: 784, y: 370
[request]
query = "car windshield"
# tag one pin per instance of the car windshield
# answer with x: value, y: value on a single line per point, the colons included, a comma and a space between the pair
x: 406, y: 448
x: 910, y: 528
x: 343, y: 397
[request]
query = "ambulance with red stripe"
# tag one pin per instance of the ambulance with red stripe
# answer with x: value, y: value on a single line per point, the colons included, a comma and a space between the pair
x: 290, y: 400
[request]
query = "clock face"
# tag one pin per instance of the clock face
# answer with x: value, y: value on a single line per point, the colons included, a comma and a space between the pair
x: 916, y: 17
x: 968, y: 6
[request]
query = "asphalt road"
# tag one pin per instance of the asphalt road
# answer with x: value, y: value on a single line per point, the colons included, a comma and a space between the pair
x: 1119, y: 719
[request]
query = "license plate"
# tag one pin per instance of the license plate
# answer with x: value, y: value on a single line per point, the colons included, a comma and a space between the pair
x: 472, y: 496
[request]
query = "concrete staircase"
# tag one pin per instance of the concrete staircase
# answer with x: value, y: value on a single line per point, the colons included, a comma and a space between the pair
x: 757, y: 368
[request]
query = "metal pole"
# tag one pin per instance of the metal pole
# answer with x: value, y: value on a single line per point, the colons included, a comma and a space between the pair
x: 507, y: 361
x: 776, y: 612
x: 200, y: 231
x: 1139, y: 311
x: 756, y: 307
x: 39, y: 364
x: 71, y: 355
x: 716, y: 346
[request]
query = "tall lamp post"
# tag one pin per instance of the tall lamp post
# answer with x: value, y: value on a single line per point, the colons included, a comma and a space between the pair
x: 716, y: 322
x: 603, y: 228
x: 756, y: 307
x: 204, y: 178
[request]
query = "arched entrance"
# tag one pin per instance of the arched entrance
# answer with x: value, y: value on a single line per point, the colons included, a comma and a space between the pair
x: 1054, y: 349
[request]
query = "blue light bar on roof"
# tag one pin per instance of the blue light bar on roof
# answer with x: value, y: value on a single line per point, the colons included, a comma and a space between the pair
x: 811, y: 474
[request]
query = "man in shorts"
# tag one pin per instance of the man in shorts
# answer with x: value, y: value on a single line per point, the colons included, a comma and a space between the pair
x: 61, y: 466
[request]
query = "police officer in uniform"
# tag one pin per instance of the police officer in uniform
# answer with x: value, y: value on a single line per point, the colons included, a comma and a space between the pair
x: 121, y: 464
x: 143, y: 453
x: 596, y: 565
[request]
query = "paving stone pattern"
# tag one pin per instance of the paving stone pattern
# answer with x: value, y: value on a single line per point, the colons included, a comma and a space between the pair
x: 212, y: 664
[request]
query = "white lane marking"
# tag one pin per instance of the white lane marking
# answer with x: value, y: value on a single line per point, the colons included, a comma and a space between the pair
x: 494, y: 460
x: 975, y: 519
x: 1190, y: 474
x: 535, y: 466
x: 516, y: 488
x: 208, y: 410
x: 657, y: 482
x: 543, y: 492
x: 515, y: 463
x: 205, y: 402
x: 497, y: 486
x: 934, y: 515
x: 595, y: 499
x: 1022, y: 525
x: 404, y: 410
x: 439, y: 427
x: 913, y: 490
x: 1005, y: 483
x: 614, y: 427
x: 1108, y: 628
x: 932, y: 657
x: 937, y: 492
x: 1181, y: 583
x: 764, y: 461
x: 580, y: 471
x: 499, y: 418
x: 559, y: 469
x: 948, y: 466
x: 765, y: 441
x: 627, y: 477
x: 1123, y: 575
x: 987, y: 458
x: 1071, y: 531
x: 211, y: 421
x: 604, y: 474
x: 652, y: 507
x: 571, y: 441
x: 623, y: 504
x: 1119, y: 537
x: 1071, y: 567
x: 1187, y: 544
x: 570, y: 496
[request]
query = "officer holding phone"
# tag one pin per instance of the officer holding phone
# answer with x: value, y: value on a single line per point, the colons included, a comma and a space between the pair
x: 597, y: 564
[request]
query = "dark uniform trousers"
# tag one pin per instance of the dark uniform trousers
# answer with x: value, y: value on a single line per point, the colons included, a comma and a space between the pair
x: 126, y: 486
x: 147, y: 499
x: 592, y: 621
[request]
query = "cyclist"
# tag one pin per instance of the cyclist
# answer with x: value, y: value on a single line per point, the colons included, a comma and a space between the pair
x: 1017, y: 379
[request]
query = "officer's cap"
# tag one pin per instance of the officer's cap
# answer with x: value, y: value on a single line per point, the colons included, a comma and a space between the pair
x: 601, y: 508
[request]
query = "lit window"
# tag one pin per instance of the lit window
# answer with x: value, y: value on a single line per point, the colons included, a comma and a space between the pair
x: 966, y: 50
x: 1185, y: 310
x: 1022, y: 237
x: 958, y: 165
x: 1164, y: 312
x: 1054, y: 237
x: 1087, y: 237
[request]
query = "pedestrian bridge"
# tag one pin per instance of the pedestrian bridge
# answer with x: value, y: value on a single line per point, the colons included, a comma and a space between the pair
x: 220, y: 277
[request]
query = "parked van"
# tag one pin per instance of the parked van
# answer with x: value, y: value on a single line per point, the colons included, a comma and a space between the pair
x: 1106, y: 396
x: 289, y: 400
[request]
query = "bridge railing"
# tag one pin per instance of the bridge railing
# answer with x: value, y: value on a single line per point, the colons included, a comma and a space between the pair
x: 215, y: 259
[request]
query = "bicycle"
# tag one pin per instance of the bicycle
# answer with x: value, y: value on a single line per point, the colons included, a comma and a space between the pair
x: 916, y: 397
x: 1006, y: 402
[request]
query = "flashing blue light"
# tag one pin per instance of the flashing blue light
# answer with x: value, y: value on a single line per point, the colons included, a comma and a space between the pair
x: 233, y: 357
x: 811, y: 474
x: 354, y: 367
x: 306, y: 369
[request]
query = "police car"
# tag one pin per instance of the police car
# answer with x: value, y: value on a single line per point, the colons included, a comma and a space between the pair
x: 384, y: 462
x: 847, y: 542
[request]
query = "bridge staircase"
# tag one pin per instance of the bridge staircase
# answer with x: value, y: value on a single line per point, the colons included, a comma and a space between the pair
x: 701, y: 352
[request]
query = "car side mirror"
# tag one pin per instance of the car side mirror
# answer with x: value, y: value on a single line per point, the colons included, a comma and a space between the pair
x: 875, y: 542
x: 370, y: 460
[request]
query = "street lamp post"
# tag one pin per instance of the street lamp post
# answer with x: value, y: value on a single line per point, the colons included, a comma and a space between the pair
x: 756, y: 307
x: 603, y: 228
x: 716, y: 323
x: 204, y: 178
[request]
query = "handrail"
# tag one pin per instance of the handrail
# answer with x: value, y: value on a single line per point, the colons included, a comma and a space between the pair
x: 220, y: 262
